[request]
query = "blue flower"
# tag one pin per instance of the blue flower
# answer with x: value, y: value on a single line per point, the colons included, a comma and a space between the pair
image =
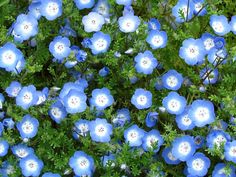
x: 67, y: 30
x: 128, y: 23
x: 103, y: 8
x: 9, y: 56
x: 199, y: 8
x: 86, y: 42
x: 82, y: 164
x: 145, y: 62
x: 93, y: 22
x: 202, y: 112
x: 101, y: 98
x: 230, y: 151
x: 183, y: 121
x: 172, y: 80
x: 22, y: 150
x: 217, y: 138
x: 27, y: 97
x: 19, y: 66
x: 108, y: 160
x: 198, y: 164
x: 199, y: 141
x: 154, y: 24
x: 51, y: 9
x: 151, y: 119
x: 8, y: 123
x: 122, y: 116
x: 142, y: 99
x: 75, y: 101
x: 4, y: 146
x: 220, y: 24
x: 157, y: 39
x: 124, y: 2
x: 100, y: 130
x: 34, y: 10
x: 13, y: 89
x: 134, y: 135
x: 81, y: 56
x: 60, y: 47
x: 183, y: 11
x: 1, y: 128
x: 50, y: 174
x: 31, y: 165
x: 168, y: 157
x: 81, y: 128
x: 183, y: 147
x: 28, y: 127
x: 174, y: 103
x: 100, y: 43
x: 104, y: 71
x: 221, y: 170
x: 217, y: 56
x: 192, y: 51
x: 233, y: 24
x: 208, y: 41
x: 57, y: 111
x: 219, y: 42
x: 81, y: 4
x: 70, y: 86
x: 26, y: 26
x: 209, y: 75
x: 152, y: 139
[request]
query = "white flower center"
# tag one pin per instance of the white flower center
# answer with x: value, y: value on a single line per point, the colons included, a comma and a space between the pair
x: 184, y: 148
x: 52, y: 8
x: 27, y: 27
x: 59, y: 47
x: 198, y: 164
x: 157, y: 40
x: 2, y: 148
x: 56, y: 112
x: 232, y: 151
x: 198, y: 7
x: 128, y: 24
x: 202, y: 114
x: 145, y: 62
x: 74, y: 101
x: 27, y: 127
x: 8, y: 57
x: 151, y: 140
x: 85, y: 1
x: 209, y: 43
x: 186, y: 120
x: 172, y: 81
x: 174, y: 105
x: 142, y: 99
x: 15, y: 91
x: 132, y: 136
x: 218, y: 27
x: 171, y: 157
x: 192, y: 51
x: 31, y: 165
x: 22, y: 153
x: 83, y: 128
x: 101, y: 100
x: 219, y: 140
x: 83, y: 163
x: 100, y: 44
x: 100, y: 130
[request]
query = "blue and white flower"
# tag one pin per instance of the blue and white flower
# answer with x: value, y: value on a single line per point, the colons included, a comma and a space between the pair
x: 82, y: 164
x: 145, y: 62
x: 124, y: 2
x: 101, y: 98
x: 103, y: 8
x: 67, y: 87
x: 26, y: 26
x: 199, y: 8
x: 198, y: 164
x: 217, y: 57
x: 108, y: 160
x: 100, y: 130
x: 57, y: 111
x: 192, y: 51
x: 81, y: 128
x: 31, y: 165
x: 28, y: 127
x: 209, y: 75
x: 93, y: 22
x: 134, y: 135
x: 34, y: 10
x: 183, y: 147
x: 157, y: 39
x: 151, y: 119
x: 230, y: 151
x: 221, y: 170
x: 84, y: 4
x: 8, y: 123
x: 128, y: 23
x: 174, y: 103
x: 9, y: 56
x: 154, y: 24
x: 233, y: 24
x: 60, y: 47
x: 172, y: 80
x: 22, y: 151
x: 51, y: 9
x: 183, y: 121
x: 27, y: 97
x: 202, y: 112
x: 142, y: 99
x: 220, y: 24
x: 4, y: 146
x: 152, y: 140
x: 75, y: 101
x: 217, y: 138
x: 100, y: 43
x: 168, y: 156
x: 13, y: 89
x: 49, y: 174
x: 208, y: 41
x: 122, y: 117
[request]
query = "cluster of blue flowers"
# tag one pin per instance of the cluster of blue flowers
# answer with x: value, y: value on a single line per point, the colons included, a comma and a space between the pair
x: 74, y: 97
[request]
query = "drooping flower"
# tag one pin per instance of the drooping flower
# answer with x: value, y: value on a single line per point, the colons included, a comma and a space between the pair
x: 82, y: 164
x: 220, y: 24
x: 122, y: 117
x: 51, y: 9
x: 93, y: 22
x: 157, y: 39
x: 172, y: 80
x: 151, y: 119
x: 142, y: 99
x: 100, y: 43
x: 134, y: 135
x: 100, y: 130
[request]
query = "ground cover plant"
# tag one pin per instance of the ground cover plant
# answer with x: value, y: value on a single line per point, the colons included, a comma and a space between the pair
x: 117, y: 88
